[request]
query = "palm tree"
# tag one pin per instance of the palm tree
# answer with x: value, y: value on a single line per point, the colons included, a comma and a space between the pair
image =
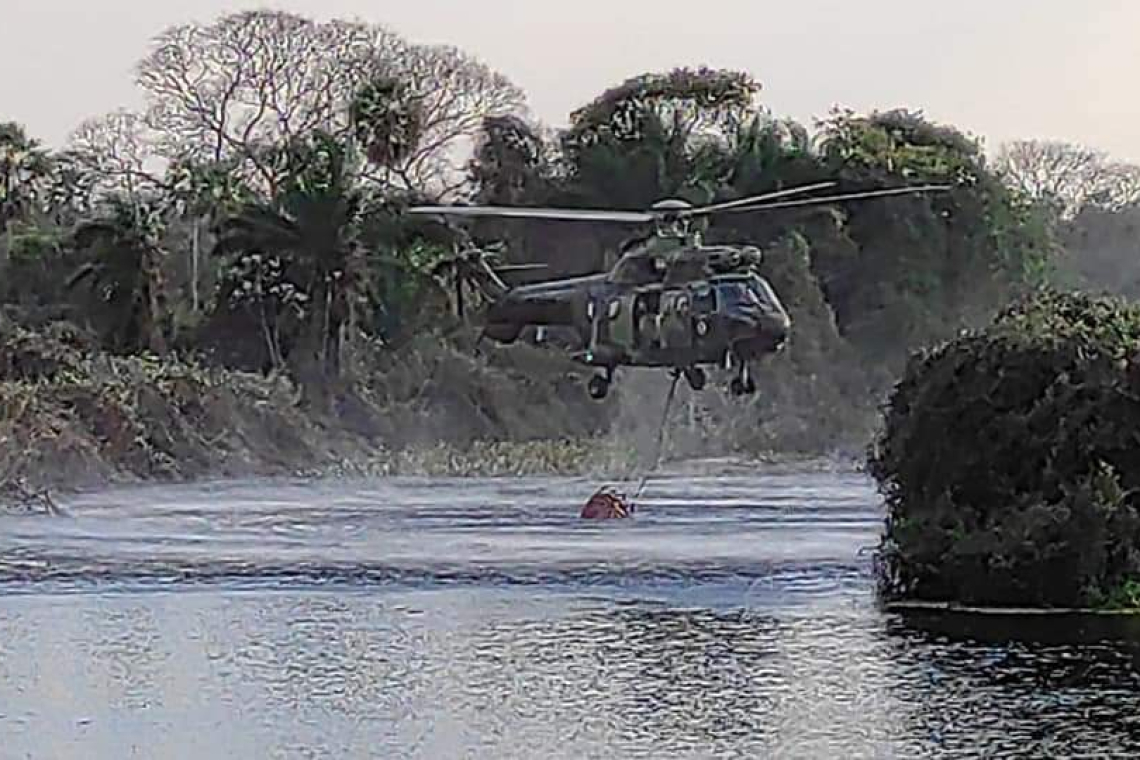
x: 23, y: 163
x: 125, y: 272
x: 204, y: 193
x: 387, y: 120
x: 24, y: 167
x: 312, y: 227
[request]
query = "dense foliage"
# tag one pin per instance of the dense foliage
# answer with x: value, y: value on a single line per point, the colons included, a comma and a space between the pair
x: 249, y: 218
x: 1010, y: 464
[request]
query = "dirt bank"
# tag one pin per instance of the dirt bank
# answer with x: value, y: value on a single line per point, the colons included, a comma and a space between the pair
x: 74, y: 416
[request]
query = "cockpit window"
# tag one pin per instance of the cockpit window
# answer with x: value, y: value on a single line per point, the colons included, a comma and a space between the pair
x: 764, y: 291
x: 704, y: 299
x: 735, y: 293
x: 752, y: 292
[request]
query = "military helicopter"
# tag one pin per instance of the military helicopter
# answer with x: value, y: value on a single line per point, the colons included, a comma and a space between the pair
x: 670, y: 301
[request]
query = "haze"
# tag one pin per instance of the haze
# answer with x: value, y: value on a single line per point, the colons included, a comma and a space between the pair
x: 1001, y: 70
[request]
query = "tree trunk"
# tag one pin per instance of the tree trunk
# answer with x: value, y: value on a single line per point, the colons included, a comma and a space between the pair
x: 272, y: 344
x: 195, y: 252
x: 152, y: 332
x: 326, y: 325
x: 6, y: 249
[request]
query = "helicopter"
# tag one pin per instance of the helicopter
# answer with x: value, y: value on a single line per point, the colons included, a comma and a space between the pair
x: 670, y: 301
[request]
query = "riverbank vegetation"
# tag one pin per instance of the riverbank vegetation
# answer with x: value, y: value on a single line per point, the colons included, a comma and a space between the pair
x: 223, y: 282
x: 1009, y: 460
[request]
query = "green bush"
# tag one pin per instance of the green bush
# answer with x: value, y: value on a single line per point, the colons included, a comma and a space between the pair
x: 1010, y: 459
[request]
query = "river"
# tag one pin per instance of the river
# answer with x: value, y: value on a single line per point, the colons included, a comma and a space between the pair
x: 734, y: 616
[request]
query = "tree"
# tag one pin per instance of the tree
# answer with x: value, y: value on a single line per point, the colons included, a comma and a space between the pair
x: 455, y: 94
x: 124, y: 273
x: 115, y: 153
x: 687, y: 104
x: 204, y: 193
x: 37, y: 197
x: 400, y: 251
x: 512, y: 161
x: 24, y: 168
x: 643, y: 140
x: 928, y: 263
x: 300, y: 250
x: 252, y: 80
x: 1007, y: 459
x: 255, y: 78
x: 1068, y: 177
x: 71, y: 188
x: 897, y: 144
x: 388, y: 121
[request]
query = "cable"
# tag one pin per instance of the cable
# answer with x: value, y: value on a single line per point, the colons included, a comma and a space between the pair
x: 660, y: 438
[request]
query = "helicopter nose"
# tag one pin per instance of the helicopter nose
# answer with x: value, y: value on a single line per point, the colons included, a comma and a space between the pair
x: 771, y: 331
x: 775, y: 328
x: 763, y: 332
x: 765, y: 319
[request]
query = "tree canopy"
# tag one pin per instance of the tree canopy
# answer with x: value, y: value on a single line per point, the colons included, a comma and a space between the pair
x: 251, y: 210
x: 1009, y: 464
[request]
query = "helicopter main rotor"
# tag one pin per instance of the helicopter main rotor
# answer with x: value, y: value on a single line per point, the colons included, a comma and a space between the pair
x: 673, y: 215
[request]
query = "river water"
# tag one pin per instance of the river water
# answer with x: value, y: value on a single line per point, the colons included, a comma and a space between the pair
x: 414, y: 618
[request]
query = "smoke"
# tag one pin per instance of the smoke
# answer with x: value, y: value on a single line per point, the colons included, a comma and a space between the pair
x: 1103, y: 251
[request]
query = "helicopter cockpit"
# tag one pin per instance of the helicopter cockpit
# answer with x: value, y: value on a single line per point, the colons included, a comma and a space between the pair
x: 748, y: 302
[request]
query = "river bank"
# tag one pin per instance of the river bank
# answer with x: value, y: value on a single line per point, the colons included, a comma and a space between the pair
x: 72, y: 416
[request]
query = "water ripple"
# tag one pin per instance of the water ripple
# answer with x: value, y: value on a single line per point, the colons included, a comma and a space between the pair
x: 734, y: 617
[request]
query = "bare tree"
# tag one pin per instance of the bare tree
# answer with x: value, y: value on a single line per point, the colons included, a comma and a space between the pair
x: 456, y: 93
x: 255, y: 79
x: 116, y: 153
x: 1068, y: 175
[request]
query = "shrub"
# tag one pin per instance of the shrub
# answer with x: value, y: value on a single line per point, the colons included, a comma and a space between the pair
x: 1010, y: 459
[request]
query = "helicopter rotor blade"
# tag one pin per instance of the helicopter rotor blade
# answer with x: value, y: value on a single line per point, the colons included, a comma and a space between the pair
x: 755, y: 203
x: 844, y: 197
x: 728, y: 205
x: 520, y: 267
x: 565, y: 214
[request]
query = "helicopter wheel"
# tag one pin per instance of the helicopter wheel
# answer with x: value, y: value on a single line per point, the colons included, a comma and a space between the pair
x: 743, y: 384
x: 598, y: 387
x: 696, y: 378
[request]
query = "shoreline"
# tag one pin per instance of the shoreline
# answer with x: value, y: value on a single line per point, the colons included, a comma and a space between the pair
x: 483, y: 461
x: 78, y: 418
x: 954, y: 608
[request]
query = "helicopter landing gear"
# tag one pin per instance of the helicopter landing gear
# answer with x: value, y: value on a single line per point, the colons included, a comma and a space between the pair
x: 696, y: 378
x: 599, y: 385
x: 743, y: 384
x: 742, y: 387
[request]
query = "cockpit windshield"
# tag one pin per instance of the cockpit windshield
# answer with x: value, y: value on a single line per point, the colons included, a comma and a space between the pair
x: 752, y: 292
x: 735, y: 293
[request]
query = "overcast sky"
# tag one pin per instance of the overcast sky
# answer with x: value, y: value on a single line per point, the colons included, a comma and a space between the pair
x: 1000, y: 69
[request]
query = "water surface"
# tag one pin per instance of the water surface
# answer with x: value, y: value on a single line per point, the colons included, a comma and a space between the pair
x: 733, y: 617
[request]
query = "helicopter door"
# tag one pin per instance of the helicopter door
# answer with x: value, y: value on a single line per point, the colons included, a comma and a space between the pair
x: 602, y: 314
x: 704, y: 302
x: 620, y: 316
x: 646, y: 314
x: 676, y: 322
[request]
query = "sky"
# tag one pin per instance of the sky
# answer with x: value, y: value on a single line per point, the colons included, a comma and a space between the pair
x: 998, y: 69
